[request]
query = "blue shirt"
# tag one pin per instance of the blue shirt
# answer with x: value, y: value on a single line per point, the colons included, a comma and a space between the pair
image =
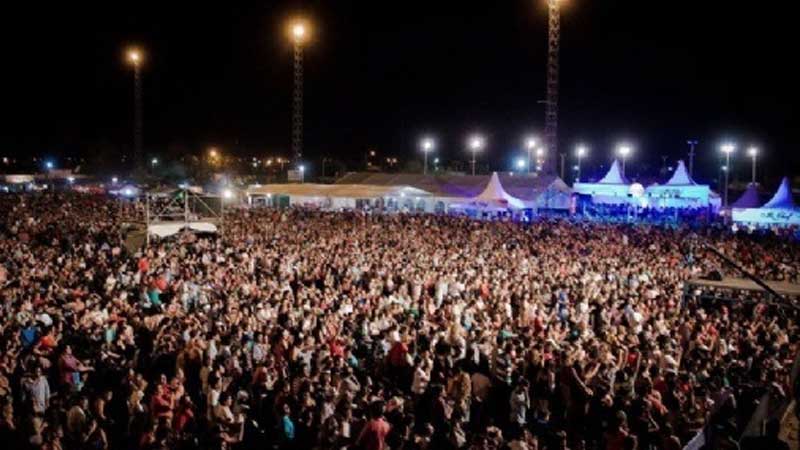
x: 28, y: 336
x: 288, y: 428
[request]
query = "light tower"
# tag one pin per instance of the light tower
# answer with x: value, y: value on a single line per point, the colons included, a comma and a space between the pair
x: 299, y: 33
x: 135, y: 58
x: 551, y: 103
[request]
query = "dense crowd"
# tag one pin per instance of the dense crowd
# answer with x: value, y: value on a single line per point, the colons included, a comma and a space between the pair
x: 301, y: 329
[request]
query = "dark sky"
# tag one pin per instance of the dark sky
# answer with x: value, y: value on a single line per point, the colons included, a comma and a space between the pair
x: 379, y: 74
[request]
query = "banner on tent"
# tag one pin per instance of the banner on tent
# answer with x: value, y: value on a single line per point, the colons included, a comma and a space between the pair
x: 767, y: 216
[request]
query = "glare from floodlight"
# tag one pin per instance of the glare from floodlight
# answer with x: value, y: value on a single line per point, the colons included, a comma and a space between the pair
x: 134, y: 56
x: 71, y: 179
x: 752, y: 151
x: 49, y: 164
x: 127, y: 191
x: 530, y: 142
x: 581, y: 151
x: 299, y: 31
x: 227, y: 193
x: 728, y: 148
x: 624, y: 150
x: 539, y: 152
x: 302, y: 168
x: 427, y: 144
x: 476, y: 142
x: 114, y: 180
x: 520, y: 163
x: 154, y: 161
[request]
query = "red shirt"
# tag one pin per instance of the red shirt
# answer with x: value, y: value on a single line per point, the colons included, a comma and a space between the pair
x: 373, y: 436
x: 397, y: 355
x: 337, y: 349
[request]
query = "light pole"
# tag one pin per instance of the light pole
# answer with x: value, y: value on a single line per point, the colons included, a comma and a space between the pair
x: 580, y: 152
x: 539, y: 158
x: 727, y: 149
x: 530, y: 145
x: 135, y: 58
x: 624, y: 151
x: 299, y: 33
x: 427, y: 145
x: 475, y: 144
x: 753, y: 152
x: 692, y: 143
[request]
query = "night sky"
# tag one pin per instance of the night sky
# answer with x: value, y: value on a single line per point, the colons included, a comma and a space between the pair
x: 380, y: 74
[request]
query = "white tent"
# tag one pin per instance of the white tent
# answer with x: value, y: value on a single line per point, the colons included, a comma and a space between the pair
x: 749, y: 198
x: 681, y: 176
x: 614, y: 175
x: 493, y: 198
x: 611, y: 189
x: 346, y: 196
x: 680, y: 191
x: 494, y: 192
x: 779, y: 211
x: 783, y: 197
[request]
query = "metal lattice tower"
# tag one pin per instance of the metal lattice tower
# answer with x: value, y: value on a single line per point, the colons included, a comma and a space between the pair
x: 297, y: 104
x: 551, y: 104
x: 137, y: 117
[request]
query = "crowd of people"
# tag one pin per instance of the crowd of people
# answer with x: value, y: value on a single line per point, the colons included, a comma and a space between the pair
x: 298, y: 329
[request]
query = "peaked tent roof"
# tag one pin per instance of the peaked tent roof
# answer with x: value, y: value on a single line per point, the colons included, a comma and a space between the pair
x: 783, y: 197
x: 494, y: 192
x: 749, y: 198
x: 681, y: 176
x: 614, y: 175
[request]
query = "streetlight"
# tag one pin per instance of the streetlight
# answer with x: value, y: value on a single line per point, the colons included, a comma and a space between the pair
x: 300, y: 31
x: 580, y: 152
x: 135, y: 58
x: 520, y: 164
x: 624, y: 151
x: 530, y: 144
x: 753, y: 152
x: 302, y: 170
x: 154, y: 162
x: 475, y: 143
x: 427, y: 145
x: 114, y: 180
x: 49, y: 165
x: 727, y: 149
